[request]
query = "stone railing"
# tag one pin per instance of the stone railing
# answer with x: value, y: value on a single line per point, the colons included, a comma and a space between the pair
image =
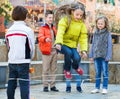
x: 114, y: 67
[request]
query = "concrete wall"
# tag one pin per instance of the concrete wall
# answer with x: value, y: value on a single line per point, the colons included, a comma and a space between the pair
x: 114, y: 70
x: 36, y: 77
x: 3, y: 53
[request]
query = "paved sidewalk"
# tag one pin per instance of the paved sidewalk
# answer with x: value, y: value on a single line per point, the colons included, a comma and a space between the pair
x: 37, y: 93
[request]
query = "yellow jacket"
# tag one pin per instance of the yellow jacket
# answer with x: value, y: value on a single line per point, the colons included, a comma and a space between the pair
x: 73, y: 34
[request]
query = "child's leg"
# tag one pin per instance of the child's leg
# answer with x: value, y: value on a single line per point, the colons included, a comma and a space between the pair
x: 12, y: 83
x: 75, y: 59
x: 97, y: 64
x: 105, y: 74
x: 53, y: 70
x: 67, y: 57
x: 23, y: 70
x: 68, y: 85
x: 78, y: 81
x: 67, y: 61
x: 45, y: 71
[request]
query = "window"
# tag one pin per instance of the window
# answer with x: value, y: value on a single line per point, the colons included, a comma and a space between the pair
x: 107, y: 1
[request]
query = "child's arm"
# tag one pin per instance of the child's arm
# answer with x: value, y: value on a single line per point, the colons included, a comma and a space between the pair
x: 62, y: 26
x: 109, y: 50
x: 32, y: 43
x: 41, y: 36
x: 91, y: 50
x: 83, y: 39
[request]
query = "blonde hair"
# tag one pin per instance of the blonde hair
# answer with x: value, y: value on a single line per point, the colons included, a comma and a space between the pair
x: 105, y: 20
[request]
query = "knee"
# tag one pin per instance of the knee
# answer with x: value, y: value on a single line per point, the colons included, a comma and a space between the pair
x: 68, y: 53
x: 77, y: 59
x: 105, y: 73
x: 98, y: 74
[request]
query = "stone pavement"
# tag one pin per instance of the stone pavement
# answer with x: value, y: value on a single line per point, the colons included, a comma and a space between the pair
x: 37, y: 93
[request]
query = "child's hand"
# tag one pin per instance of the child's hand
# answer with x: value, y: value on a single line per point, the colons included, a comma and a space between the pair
x: 91, y: 60
x: 58, y: 47
x: 48, y: 40
x: 84, y: 55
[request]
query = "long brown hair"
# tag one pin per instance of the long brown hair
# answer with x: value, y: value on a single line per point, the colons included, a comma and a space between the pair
x: 66, y: 10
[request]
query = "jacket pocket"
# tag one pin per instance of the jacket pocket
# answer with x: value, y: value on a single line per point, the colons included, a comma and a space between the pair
x: 45, y: 48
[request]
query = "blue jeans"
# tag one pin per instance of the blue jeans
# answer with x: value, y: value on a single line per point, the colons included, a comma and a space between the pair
x: 77, y: 79
x: 101, y: 66
x: 71, y: 57
x: 20, y: 71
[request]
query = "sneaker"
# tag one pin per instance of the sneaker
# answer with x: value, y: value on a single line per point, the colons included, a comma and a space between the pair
x: 95, y: 91
x: 79, y: 89
x: 54, y: 89
x: 67, y: 74
x: 68, y: 89
x: 45, y: 89
x: 104, y: 91
x: 79, y: 71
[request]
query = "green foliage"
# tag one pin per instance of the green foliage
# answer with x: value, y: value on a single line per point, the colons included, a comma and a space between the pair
x: 5, y: 9
x: 116, y: 27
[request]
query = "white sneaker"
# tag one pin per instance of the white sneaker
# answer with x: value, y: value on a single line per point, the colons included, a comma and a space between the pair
x: 104, y: 91
x: 95, y: 91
